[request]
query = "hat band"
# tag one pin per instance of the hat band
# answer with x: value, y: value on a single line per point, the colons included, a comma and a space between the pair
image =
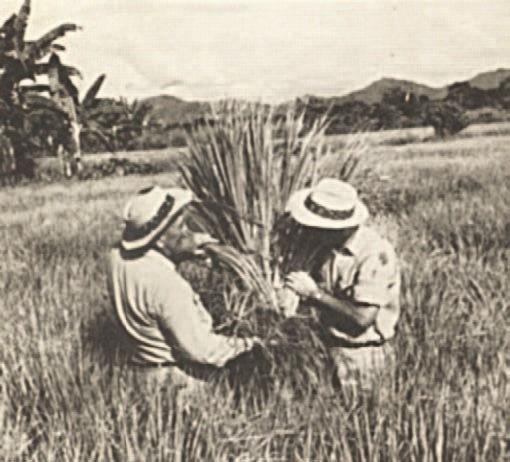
x: 324, y: 212
x: 138, y: 232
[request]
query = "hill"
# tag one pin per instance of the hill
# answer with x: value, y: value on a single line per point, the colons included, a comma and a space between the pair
x: 488, y: 80
x: 168, y: 110
x: 374, y: 92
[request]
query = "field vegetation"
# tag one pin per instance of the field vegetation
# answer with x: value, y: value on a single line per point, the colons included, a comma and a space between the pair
x: 65, y: 390
x: 65, y: 393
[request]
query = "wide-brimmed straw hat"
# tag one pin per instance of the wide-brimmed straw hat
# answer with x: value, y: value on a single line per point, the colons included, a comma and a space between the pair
x: 331, y: 204
x: 149, y: 212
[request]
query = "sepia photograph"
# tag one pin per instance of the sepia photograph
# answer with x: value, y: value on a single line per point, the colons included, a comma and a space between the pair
x: 255, y: 230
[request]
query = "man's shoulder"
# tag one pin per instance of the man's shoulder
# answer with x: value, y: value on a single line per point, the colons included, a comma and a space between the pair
x: 150, y: 269
x: 156, y: 258
x: 148, y: 261
x: 164, y: 281
x: 367, y: 241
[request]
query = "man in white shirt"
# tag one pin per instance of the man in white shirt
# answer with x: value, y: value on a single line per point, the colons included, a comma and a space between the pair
x: 356, y: 284
x: 164, y: 319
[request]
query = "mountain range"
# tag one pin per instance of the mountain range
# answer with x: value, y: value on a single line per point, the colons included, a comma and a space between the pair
x: 169, y: 110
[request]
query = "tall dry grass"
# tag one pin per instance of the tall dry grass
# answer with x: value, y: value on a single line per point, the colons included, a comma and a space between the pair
x: 65, y: 395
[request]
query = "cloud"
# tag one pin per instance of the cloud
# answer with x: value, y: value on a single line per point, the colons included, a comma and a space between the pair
x: 171, y: 84
x: 276, y: 50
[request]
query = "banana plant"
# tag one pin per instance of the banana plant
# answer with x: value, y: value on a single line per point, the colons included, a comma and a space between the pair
x: 81, y: 115
x: 20, y: 60
x: 127, y: 125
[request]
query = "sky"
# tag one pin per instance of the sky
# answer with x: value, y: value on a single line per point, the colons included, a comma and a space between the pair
x: 273, y: 50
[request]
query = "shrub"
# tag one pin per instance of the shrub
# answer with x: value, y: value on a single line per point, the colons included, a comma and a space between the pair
x: 116, y: 166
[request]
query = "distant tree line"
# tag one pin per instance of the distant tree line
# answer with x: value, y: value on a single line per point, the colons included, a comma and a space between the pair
x: 403, y: 109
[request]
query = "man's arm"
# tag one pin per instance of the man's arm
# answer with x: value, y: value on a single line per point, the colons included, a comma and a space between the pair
x: 370, y: 291
x: 354, y: 317
x: 188, y: 328
x: 198, y: 343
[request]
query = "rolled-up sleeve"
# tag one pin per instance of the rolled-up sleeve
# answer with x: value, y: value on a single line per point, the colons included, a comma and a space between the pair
x: 376, y: 277
x: 188, y: 327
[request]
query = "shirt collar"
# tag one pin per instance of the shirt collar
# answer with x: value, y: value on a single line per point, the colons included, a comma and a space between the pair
x: 357, y: 242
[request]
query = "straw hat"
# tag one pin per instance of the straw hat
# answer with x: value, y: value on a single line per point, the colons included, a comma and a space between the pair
x: 331, y: 204
x: 149, y: 212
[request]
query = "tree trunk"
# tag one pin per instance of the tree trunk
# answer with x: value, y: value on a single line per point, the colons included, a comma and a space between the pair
x: 70, y: 148
x: 65, y: 166
x: 76, y: 154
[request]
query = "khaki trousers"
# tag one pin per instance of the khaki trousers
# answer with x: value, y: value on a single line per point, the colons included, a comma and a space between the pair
x: 361, y: 366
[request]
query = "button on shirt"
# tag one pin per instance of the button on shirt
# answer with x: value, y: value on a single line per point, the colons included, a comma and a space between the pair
x: 366, y: 272
x: 163, y: 316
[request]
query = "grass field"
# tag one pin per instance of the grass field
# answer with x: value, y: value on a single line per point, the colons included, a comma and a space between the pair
x: 446, y: 207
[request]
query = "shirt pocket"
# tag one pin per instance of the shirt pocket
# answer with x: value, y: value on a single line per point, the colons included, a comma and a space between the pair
x: 341, y: 274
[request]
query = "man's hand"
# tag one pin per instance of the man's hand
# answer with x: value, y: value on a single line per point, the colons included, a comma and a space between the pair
x: 301, y: 283
x: 288, y: 301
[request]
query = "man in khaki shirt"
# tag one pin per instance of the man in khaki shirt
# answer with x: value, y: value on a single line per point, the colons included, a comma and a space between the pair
x: 356, y: 284
x: 164, y: 319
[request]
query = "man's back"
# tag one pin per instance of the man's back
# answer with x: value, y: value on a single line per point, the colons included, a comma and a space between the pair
x: 134, y: 283
x: 161, y: 314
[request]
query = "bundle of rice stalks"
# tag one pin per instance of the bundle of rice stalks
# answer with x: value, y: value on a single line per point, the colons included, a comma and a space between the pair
x: 243, y: 168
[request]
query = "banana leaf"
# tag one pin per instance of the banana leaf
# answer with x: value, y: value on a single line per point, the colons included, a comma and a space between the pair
x: 43, y: 46
x: 92, y: 92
